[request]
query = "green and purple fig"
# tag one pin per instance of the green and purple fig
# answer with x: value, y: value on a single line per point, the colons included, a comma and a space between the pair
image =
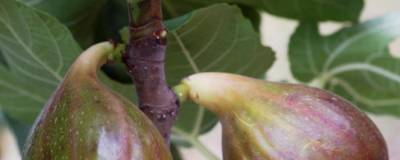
x: 276, y: 121
x: 84, y: 120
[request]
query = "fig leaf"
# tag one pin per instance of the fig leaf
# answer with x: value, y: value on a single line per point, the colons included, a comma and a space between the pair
x: 354, y: 62
x: 321, y: 10
x: 38, y: 50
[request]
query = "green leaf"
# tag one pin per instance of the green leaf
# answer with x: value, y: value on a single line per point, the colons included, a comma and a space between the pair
x: 3, y: 121
x: 192, y: 118
x: 217, y: 38
x: 253, y: 15
x: 175, y: 152
x: 80, y: 16
x: 20, y: 99
x: 38, y: 50
x: 2, y: 59
x: 306, y: 51
x: 175, y: 23
x: 113, y: 17
x: 354, y: 62
x: 117, y: 71
x: 321, y: 10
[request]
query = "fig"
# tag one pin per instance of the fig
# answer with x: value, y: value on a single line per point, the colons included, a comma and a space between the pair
x: 276, y: 121
x: 86, y: 120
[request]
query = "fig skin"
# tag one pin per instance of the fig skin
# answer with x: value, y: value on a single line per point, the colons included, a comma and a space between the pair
x: 86, y: 120
x: 275, y: 121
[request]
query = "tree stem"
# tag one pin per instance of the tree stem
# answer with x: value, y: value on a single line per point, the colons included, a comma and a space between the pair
x: 145, y: 59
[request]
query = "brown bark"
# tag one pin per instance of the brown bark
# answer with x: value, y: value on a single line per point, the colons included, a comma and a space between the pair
x: 145, y: 60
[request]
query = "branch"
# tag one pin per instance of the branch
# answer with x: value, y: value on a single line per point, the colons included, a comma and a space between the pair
x: 145, y: 59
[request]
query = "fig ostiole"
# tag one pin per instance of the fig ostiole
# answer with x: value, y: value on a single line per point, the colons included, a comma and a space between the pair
x: 86, y: 120
x: 276, y: 121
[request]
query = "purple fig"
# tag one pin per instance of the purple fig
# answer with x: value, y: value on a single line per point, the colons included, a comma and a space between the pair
x: 276, y: 121
x: 86, y: 120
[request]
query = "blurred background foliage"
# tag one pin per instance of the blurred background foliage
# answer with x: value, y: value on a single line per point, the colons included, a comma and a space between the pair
x: 40, y: 39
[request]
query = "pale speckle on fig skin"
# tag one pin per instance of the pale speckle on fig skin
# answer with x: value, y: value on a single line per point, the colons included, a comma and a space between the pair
x: 285, y: 121
x: 70, y: 124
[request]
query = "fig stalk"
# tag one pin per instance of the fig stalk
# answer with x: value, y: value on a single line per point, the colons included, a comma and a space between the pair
x: 145, y: 59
